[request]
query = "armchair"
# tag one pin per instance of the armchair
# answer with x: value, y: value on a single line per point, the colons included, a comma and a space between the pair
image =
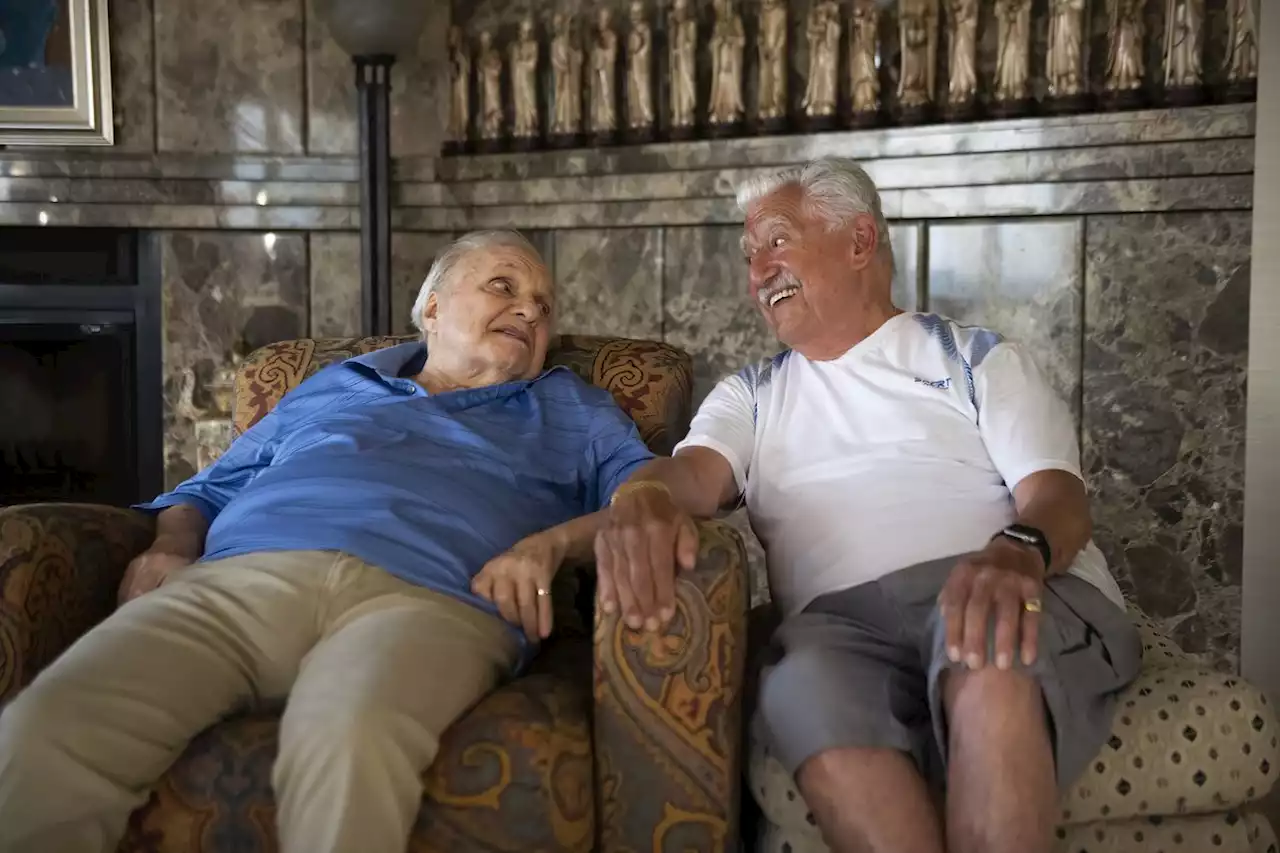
x: 612, y: 741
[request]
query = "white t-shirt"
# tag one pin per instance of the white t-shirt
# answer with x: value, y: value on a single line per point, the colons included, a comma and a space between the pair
x: 902, y: 450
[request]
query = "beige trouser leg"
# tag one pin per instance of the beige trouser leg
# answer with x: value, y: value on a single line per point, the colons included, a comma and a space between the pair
x: 80, y: 747
x: 397, y: 664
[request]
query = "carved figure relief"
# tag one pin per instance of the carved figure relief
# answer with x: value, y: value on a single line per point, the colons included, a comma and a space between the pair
x: 1242, y: 40
x: 728, y: 40
x: 962, y: 51
x: 1063, y: 66
x: 771, y: 44
x: 639, y: 63
x: 604, y: 62
x: 682, y: 36
x: 1183, y: 40
x: 524, y: 81
x: 566, y: 77
x: 918, y: 31
x: 459, y: 86
x: 1013, y: 66
x: 490, y: 67
x: 864, y: 73
x: 823, y: 31
x: 1124, y: 45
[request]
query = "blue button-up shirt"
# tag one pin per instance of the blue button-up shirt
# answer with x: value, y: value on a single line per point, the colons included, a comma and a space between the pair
x: 361, y: 459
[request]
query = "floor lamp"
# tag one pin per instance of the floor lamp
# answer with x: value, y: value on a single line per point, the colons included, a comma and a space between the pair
x: 374, y: 33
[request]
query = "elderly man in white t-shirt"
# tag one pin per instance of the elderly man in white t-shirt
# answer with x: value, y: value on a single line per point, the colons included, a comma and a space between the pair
x: 947, y: 624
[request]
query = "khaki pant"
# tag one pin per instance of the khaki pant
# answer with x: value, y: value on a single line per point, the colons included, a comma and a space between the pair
x: 371, y: 670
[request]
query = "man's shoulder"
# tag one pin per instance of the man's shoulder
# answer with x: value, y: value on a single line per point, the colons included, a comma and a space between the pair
x: 762, y: 373
x: 569, y: 392
x: 963, y: 343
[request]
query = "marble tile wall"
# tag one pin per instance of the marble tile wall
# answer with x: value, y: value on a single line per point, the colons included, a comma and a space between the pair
x: 222, y: 292
x: 1167, y: 318
x: 1023, y: 279
x: 229, y: 76
x: 245, y: 76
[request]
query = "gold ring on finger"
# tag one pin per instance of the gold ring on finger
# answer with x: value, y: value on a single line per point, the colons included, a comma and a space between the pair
x: 1032, y: 605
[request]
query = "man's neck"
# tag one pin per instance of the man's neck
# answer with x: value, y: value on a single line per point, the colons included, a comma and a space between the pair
x: 862, y: 324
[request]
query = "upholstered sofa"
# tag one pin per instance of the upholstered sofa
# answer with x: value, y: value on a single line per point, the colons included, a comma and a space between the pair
x: 613, y: 741
x: 1190, y: 749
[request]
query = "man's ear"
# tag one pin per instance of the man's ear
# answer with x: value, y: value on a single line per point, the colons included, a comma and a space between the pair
x: 430, y: 312
x: 864, y: 240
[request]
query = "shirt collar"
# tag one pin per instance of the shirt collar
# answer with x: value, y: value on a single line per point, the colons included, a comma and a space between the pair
x: 404, y: 361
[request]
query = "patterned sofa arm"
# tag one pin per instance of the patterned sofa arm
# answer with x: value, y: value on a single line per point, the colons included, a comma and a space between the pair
x: 60, y: 566
x: 668, y: 713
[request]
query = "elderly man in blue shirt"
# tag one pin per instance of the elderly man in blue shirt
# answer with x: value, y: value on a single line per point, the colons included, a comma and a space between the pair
x: 350, y: 556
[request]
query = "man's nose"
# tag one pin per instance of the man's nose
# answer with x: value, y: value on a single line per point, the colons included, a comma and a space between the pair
x: 761, y: 268
x: 528, y: 310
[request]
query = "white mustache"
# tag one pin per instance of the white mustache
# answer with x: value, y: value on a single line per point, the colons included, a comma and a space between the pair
x: 778, y: 282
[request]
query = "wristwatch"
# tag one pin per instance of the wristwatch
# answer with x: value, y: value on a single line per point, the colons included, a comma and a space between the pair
x: 1028, y: 535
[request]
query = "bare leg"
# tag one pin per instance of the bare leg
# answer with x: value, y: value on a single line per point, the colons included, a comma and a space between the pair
x: 1002, y: 794
x: 870, y: 801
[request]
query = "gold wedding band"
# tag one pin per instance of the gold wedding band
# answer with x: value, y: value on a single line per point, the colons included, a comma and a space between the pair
x: 542, y: 592
x: 1032, y: 605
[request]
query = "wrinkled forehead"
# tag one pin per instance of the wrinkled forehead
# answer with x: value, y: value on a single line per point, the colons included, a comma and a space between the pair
x: 521, y: 265
x: 784, y: 207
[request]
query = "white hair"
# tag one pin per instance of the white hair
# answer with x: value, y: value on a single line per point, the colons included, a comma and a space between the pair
x: 437, y: 276
x: 835, y: 190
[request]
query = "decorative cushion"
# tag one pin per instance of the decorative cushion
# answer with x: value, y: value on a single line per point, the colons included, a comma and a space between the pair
x: 1184, y: 740
x: 1229, y: 832
x: 514, y: 774
x: 650, y: 381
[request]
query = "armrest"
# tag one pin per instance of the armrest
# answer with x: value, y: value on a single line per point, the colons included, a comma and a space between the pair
x: 668, y: 712
x: 60, y: 567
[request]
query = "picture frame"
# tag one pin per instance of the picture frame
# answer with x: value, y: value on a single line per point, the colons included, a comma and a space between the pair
x: 55, y: 73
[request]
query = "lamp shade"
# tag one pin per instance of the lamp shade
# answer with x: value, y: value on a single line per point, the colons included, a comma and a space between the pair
x: 375, y: 27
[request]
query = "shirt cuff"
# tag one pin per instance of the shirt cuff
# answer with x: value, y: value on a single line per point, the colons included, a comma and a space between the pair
x: 1025, y: 470
x: 206, y: 508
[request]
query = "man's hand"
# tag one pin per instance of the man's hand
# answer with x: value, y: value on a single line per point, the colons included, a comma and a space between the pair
x: 1000, y: 579
x: 519, y: 582
x: 151, y: 569
x: 645, y: 535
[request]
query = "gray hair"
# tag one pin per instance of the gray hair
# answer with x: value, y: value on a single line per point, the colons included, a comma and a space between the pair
x: 439, y: 273
x: 835, y: 190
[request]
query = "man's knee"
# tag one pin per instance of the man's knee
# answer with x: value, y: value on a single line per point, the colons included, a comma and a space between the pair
x: 799, y: 674
x: 352, y: 735
x: 990, y: 699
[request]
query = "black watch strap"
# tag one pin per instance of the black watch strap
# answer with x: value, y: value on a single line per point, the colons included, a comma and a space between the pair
x: 1033, y: 536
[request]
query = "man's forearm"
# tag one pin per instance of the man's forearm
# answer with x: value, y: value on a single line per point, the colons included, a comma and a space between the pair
x: 181, y: 530
x: 575, y: 539
x: 693, y: 488
x: 1056, y: 504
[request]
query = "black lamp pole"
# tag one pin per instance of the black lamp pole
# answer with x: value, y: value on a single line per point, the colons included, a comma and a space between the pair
x: 374, y: 32
x: 373, y: 88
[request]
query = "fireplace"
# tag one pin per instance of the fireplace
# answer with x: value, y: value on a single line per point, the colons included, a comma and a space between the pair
x: 80, y: 383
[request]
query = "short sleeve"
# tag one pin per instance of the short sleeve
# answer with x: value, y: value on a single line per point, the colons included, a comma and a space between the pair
x: 1024, y: 424
x: 616, y: 452
x: 726, y: 423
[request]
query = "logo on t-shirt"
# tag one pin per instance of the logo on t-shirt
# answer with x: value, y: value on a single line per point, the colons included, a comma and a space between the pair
x: 940, y: 384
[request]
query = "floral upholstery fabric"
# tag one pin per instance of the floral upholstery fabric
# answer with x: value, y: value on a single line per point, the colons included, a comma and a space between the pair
x: 675, y: 701
x: 514, y: 774
x: 1185, y: 741
x: 631, y: 748
x: 60, y: 566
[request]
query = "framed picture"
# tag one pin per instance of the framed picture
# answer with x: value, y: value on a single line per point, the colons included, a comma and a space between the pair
x: 55, y: 73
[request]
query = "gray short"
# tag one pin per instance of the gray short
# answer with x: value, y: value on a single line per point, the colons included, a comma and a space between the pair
x: 861, y: 667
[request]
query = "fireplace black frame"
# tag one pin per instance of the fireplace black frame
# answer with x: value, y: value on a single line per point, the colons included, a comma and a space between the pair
x: 133, y: 299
